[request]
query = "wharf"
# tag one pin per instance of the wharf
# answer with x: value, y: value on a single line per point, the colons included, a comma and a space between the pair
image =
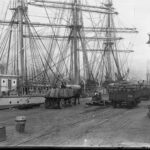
x: 79, y: 125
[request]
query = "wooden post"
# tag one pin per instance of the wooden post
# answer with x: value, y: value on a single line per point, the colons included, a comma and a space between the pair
x: 2, y: 133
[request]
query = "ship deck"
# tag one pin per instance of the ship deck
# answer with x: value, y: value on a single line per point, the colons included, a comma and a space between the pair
x: 79, y: 125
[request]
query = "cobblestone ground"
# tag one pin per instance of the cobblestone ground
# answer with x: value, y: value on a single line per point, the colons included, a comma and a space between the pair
x: 80, y: 125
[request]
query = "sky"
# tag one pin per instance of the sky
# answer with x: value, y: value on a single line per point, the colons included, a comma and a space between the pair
x: 132, y: 13
x: 137, y: 13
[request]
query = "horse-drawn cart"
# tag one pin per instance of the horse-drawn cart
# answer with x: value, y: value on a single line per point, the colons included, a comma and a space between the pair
x: 60, y: 97
x: 125, y: 94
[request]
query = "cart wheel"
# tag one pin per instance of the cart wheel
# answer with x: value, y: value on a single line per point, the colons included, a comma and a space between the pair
x: 75, y: 101
x: 61, y: 104
x: 129, y: 105
x: 53, y: 103
x: 70, y: 102
x: 114, y: 104
x: 78, y: 100
x: 134, y: 103
x: 46, y: 103
x: 50, y: 104
x: 119, y: 105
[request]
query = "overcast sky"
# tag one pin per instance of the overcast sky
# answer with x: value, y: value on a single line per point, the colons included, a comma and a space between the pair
x: 137, y: 13
x: 133, y: 13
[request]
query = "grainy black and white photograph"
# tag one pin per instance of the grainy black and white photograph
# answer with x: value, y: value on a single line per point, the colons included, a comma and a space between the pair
x: 74, y: 73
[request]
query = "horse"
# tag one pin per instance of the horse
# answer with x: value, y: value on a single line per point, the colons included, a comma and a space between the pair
x: 76, y: 95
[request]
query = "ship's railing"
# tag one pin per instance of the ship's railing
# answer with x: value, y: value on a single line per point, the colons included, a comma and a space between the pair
x: 35, y: 90
x: 27, y: 90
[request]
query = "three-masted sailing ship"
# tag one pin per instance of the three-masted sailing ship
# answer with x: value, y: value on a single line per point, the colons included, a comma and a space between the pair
x: 62, y: 46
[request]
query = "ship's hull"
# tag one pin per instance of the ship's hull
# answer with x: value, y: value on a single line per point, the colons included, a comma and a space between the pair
x: 8, y: 102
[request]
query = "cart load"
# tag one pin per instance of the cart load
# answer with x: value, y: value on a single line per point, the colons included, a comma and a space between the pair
x: 60, y: 97
x: 60, y: 93
x: 125, y: 94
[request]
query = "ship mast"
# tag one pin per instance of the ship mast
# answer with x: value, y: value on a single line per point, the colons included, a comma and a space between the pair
x: 75, y: 40
x: 76, y: 34
x: 109, y: 44
x: 20, y: 9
